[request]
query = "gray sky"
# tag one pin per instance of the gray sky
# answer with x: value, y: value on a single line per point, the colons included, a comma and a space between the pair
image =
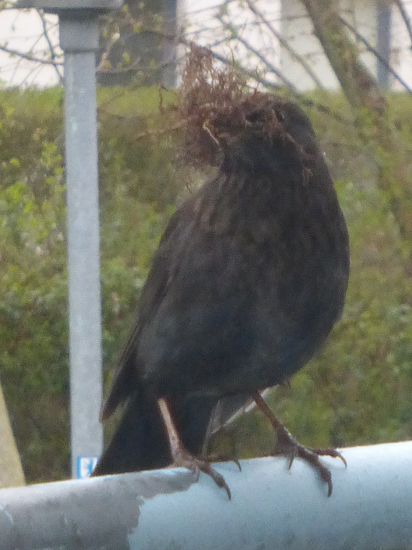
x: 20, y: 30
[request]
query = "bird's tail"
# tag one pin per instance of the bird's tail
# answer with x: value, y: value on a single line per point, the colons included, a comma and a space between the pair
x: 140, y: 441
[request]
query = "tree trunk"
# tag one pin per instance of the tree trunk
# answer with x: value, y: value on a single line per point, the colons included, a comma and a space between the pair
x: 361, y: 90
x: 357, y: 83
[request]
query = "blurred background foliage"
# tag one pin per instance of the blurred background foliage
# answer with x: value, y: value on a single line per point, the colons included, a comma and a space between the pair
x: 356, y: 391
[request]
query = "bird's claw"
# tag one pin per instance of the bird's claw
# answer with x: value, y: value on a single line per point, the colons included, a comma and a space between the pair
x: 206, y: 468
x: 330, y: 452
x: 288, y: 446
x: 184, y: 459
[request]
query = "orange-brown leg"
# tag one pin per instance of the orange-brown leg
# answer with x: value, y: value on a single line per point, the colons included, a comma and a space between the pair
x: 288, y: 446
x: 182, y: 457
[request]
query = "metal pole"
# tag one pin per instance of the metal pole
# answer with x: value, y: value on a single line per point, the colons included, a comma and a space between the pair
x: 169, y: 42
x: 79, y: 39
x: 383, y: 42
x: 272, y: 507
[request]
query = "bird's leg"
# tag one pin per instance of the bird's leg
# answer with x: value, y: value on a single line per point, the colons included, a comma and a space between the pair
x: 288, y: 446
x: 182, y: 457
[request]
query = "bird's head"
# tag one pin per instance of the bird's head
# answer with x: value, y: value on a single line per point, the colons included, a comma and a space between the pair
x: 260, y: 130
x: 224, y: 118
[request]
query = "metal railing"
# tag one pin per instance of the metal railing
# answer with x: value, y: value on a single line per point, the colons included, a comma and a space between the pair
x: 271, y: 508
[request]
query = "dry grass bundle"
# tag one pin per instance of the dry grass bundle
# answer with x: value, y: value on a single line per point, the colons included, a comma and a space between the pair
x: 216, y: 105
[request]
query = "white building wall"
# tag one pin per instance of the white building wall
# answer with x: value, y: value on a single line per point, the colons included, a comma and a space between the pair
x: 298, y: 30
x: 21, y: 30
x: 362, y: 15
x: 401, y: 51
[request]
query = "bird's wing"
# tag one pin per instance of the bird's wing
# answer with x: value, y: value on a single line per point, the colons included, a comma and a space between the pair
x: 124, y: 381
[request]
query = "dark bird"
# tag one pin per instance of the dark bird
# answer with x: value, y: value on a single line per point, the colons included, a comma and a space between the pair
x: 248, y: 280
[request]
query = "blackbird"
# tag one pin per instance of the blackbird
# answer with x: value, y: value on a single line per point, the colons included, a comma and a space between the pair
x: 248, y: 280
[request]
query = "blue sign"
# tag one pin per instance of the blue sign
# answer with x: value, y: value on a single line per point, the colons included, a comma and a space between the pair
x: 85, y: 466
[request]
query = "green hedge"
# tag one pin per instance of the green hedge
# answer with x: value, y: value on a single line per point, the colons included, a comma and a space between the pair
x: 139, y: 187
x: 356, y: 391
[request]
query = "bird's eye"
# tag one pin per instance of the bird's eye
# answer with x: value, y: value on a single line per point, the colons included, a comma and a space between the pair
x: 281, y: 115
x: 254, y: 117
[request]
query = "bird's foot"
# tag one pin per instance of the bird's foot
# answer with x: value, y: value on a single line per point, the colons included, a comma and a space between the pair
x: 288, y: 446
x: 183, y: 459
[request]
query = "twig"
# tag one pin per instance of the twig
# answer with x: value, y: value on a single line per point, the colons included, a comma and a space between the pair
x: 405, y: 17
x: 251, y: 5
x: 251, y: 74
x: 375, y: 53
x: 51, y: 47
x: 29, y: 56
x: 264, y: 60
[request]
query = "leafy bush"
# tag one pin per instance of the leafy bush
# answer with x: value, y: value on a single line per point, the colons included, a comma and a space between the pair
x: 135, y: 204
x: 355, y: 391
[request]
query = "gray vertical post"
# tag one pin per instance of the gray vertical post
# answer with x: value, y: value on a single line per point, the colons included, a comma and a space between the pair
x: 383, y: 42
x: 79, y: 38
x: 169, y: 42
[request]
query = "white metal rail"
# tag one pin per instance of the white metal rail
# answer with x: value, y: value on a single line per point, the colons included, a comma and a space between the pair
x: 271, y: 508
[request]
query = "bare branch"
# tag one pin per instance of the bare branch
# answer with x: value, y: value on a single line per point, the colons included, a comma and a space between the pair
x: 375, y: 53
x: 29, y: 57
x: 50, y: 45
x: 251, y: 74
x: 293, y: 53
x: 358, y: 85
x: 405, y: 17
x: 257, y: 53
